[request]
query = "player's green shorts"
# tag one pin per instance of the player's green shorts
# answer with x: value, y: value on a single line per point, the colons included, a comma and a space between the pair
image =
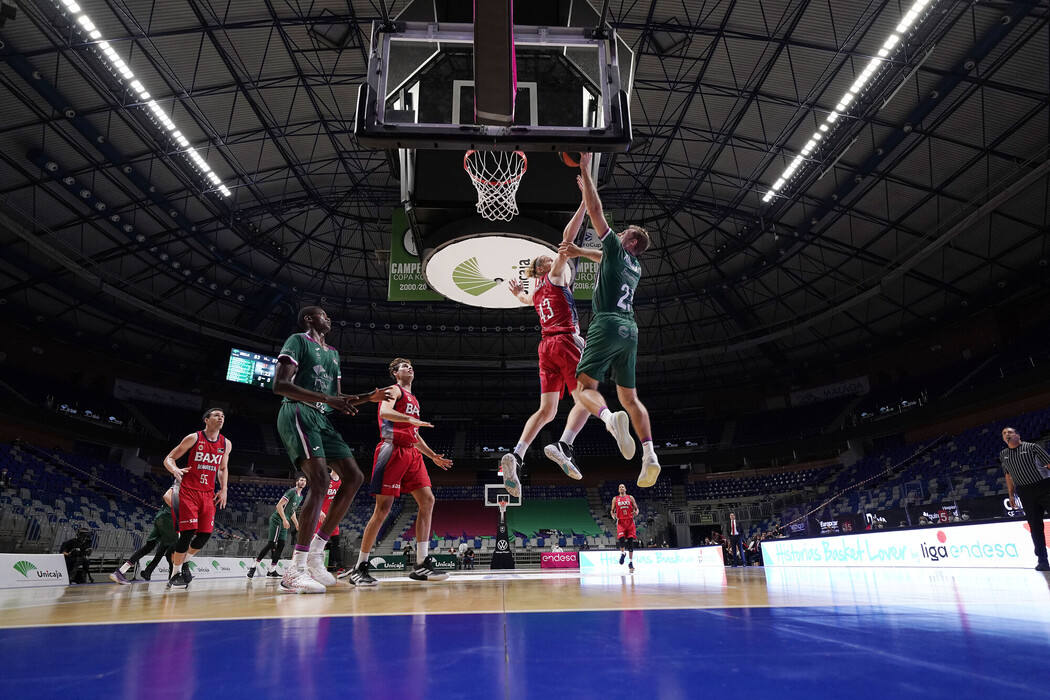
x: 307, y: 433
x: 277, y: 531
x: 612, y: 342
x: 163, y: 528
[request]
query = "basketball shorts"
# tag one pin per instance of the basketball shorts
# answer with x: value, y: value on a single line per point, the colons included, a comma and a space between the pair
x: 397, y: 469
x: 163, y: 528
x: 559, y: 355
x: 276, y: 531
x: 196, y: 510
x: 612, y: 343
x: 626, y: 530
x: 308, y: 433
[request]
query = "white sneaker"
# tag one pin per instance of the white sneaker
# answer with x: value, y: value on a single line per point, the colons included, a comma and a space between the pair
x: 298, y: 580
x: 510, y: 462
x: 650, y: 471
x: 318, y: 572
x: 620, y: 428
x: 556, y: 454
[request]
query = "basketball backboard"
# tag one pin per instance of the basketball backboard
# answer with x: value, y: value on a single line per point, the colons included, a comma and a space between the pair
x: 496, y: 491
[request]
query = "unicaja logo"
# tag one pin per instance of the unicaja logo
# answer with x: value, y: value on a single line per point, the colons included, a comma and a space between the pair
x: 24, y: 567
x: 192, y: 565
x: 467, y: 276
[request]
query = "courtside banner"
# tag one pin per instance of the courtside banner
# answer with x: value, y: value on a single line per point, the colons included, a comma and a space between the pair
x: 559, y: 560
x: 984, y: 545
x: 28, y: 570
x: 604, y: 562
x: 202, y: 566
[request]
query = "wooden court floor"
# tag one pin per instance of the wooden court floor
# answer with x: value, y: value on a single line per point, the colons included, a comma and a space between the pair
x: 739, y: 632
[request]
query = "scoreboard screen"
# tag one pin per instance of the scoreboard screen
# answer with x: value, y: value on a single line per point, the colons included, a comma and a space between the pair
x: 251, y: 368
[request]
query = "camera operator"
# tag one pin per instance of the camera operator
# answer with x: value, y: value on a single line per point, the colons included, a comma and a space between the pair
x: 76, y: 551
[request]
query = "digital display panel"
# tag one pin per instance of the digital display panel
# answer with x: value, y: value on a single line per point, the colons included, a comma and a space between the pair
x: 247, y: 367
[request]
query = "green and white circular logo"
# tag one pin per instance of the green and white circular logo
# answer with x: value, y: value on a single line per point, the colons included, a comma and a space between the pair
x: 475, y: 270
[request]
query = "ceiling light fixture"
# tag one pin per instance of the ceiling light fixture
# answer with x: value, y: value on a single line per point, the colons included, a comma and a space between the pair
x: 893, y: 42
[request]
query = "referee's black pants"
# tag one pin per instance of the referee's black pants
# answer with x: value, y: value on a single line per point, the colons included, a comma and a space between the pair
x: 1036, y: 501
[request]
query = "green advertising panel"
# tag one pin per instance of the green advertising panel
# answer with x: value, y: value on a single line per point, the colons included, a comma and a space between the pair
x: 587, y: 271
x: 406, y: 269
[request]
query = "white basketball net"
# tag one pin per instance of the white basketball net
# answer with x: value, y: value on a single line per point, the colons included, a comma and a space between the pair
x: 496, y: 176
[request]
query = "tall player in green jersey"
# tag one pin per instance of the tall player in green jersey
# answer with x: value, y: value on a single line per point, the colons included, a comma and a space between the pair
x: 309, y: 379
x: 612, y: 336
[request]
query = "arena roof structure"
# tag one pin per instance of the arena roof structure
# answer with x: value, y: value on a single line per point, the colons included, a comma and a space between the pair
x: 185, y: 170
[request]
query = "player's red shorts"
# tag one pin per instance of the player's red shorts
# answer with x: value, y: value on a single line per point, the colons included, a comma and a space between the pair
x: 196, y: 510
x: 626, y: 530
x: 320, y: 523
x: 559, y: 355
x: 397, y: 468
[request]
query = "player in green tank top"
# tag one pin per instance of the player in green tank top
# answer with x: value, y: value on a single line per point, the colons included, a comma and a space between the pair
x: 282, y: 519
x: 612, y: 336
x: 308, y: 377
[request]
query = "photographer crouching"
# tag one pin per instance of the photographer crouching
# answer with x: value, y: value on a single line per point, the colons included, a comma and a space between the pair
x: 76, y: 551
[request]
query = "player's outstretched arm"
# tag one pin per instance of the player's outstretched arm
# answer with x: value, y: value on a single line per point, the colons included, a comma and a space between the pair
x: 568, y: 236
x: 519, y: 291
x: 387, y: 411
x: 571, y: 250
x: 283, y: 386
x: 374, y: 396
x: 176, y: 454
x: 437, y: 459
x: 590, y: 196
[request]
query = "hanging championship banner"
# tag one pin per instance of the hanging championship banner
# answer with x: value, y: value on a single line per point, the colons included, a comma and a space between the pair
x: 406, y: 280
x: 587, y: 270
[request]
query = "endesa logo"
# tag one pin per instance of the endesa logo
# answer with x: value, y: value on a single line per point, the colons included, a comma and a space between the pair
x: 945, y: 551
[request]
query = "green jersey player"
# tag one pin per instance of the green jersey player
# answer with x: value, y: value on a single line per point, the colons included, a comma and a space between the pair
x: 309, y: 379
x: 612, y: 336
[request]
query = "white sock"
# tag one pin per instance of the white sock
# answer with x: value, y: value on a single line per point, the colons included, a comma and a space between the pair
x: 521, y: 448
x: 124, y: 567
x: 422, y: 550
x: 362, y: 557
x: 605, y: 416
x: 647, y: 449
x: 568, y: 435
x: 299, y: 558
x: 317, y: 545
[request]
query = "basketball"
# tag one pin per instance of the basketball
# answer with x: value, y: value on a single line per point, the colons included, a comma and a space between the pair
x: 571, y: 159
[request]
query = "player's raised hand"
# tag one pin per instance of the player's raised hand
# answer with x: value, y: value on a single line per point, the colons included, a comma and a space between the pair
x: 381, y: 395
x: 570, y: 250
x: 585, y: 161
x: 441, y: 461
x: 420, y: 423
x: 515, y: 287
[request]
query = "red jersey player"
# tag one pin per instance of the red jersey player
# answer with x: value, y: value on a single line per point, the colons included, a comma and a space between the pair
x: 559, y: 352
x: 333, y: 541
x: 193, y: 496
x: 624, y: 510
x: 398, y: 467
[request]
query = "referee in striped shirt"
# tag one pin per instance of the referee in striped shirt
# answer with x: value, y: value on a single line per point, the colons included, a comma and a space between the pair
x: 1027, y: 467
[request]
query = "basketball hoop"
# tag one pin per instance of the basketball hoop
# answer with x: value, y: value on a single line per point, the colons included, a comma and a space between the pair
x: 496, y: 176
x: 502, y: 502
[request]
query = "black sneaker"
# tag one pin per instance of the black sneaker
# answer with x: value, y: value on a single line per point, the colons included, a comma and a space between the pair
x: 273, y: 573
x: 177, y: 581
x: 251, y: 572
x: 145, y: 574
x: 622, y: 557
x: 361, y: 577
x: 1043, y: 565
x: 428, y: 571
x: 630, y: 567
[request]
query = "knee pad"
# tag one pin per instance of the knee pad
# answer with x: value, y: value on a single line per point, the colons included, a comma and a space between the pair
x: 622, y: 542
x: 184, y: 541
x: 199, y: 539
x: 630, y: 544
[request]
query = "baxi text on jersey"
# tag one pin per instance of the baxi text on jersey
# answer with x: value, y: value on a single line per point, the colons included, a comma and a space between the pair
x: 205, y: 460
